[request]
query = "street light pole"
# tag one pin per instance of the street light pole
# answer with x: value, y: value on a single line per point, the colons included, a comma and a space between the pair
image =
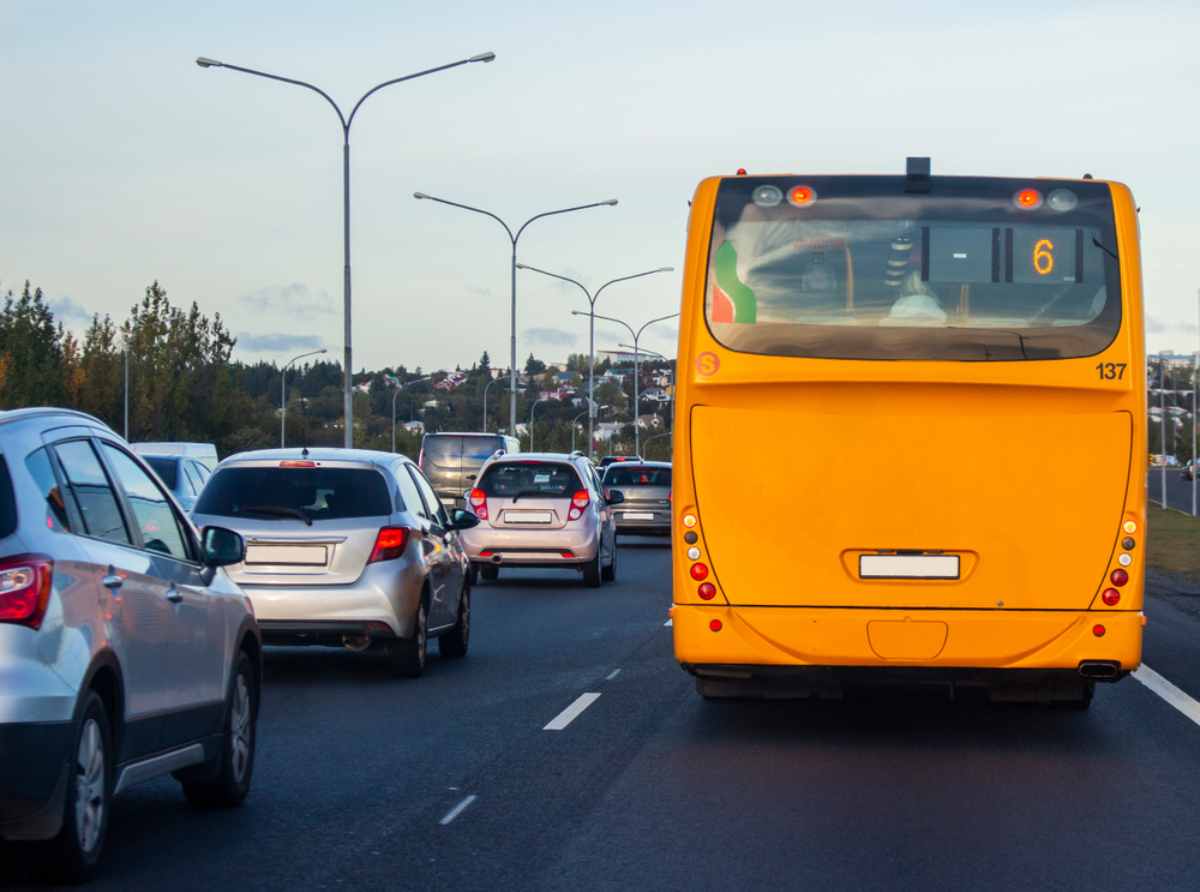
x: 396, y: 393
x: 512, y: 406
x: 531, y: 408
x: 591, y: 299
x: 486, y: 388
x: 283, y: 392
x: 346, y: 122
x: 637, y: 392
x: 126, y: 392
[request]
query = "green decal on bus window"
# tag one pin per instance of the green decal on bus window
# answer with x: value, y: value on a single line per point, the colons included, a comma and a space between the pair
x: 733, y: 301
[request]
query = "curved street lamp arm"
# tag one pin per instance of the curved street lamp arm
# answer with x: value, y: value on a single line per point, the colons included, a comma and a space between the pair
x: 628, y: 327
x: 290, y: 80
x: 651, y: 322
x: 583, y: 207
x: 467, y: 207
x: 407, y: 77
x: 644, y: 351
x: 649, y: 272
x: 295, y: 359
x: 581, y: 286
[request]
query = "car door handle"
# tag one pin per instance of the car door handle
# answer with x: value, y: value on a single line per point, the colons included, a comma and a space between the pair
x: 174, y: 595
x: 113, y: 581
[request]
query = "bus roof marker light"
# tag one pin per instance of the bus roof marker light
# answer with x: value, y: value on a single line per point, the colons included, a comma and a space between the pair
x: 917, y: 174
x: 802, y: 196
x: 1027, y: 200
x: 767, y: 196
x: 1062, y: 200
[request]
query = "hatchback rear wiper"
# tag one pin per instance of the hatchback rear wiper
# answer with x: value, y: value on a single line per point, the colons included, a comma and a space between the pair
x: 277, y: 511
x: 526, y: 492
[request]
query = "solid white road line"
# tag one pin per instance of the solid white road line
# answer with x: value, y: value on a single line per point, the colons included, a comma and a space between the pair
x: 1173, y: 695
x: 572, y: 712
x: 667, y: 623
x: 457, y: 810
x: 612, y: 675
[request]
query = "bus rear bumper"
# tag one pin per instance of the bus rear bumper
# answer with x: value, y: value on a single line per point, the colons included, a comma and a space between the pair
x: 746, y: 640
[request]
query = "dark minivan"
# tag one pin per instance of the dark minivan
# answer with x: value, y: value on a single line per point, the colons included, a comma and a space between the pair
x: 452, y: 461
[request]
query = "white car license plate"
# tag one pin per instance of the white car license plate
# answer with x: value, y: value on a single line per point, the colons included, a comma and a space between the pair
x: 295, y: 555
x: 908, y: 566
x: 636, y: 515
x: 528, y: 517
x: 448, y: 501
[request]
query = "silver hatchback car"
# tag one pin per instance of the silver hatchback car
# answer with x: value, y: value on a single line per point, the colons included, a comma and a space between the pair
x: 126, y: 653
x: 543, y: 509
x: 346, y: 548
x: 647, y: 489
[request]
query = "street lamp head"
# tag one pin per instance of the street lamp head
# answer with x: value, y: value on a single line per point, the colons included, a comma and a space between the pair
x: 323, y: 350
x: 665, y: 269
x: 611, y: 202
x: 205, y: 62
x: 483, y: 57
x: 579, y: 313
x: 420, y: 195
x: 522, y: 266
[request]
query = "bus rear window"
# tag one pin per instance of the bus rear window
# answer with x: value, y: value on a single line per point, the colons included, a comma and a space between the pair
x: 856, y: 268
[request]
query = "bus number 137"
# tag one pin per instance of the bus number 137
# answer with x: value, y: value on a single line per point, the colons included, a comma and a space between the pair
x: 1111, y: 371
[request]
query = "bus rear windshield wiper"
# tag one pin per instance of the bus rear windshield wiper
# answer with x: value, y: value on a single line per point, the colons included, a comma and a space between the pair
x: 1099, y: 244
x: 277, y: 511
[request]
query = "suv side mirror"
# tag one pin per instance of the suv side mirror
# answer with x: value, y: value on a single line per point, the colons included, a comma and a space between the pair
x: 614, y: 496
x: 221, y: 547
x: 463, y: 520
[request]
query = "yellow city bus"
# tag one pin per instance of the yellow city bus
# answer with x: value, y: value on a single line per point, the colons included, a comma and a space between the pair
x: 910, y: 435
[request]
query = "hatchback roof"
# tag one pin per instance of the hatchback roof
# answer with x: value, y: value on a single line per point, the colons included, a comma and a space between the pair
x: 536, y: 456
x: 368, y: 456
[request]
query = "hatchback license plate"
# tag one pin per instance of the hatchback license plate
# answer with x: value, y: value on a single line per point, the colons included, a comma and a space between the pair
x: 293, y: 555
x: 528, y: 516
x: 908, y: 566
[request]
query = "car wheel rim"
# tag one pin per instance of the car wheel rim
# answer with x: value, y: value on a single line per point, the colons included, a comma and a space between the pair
x: 241, y: 729
x: 90, y: 782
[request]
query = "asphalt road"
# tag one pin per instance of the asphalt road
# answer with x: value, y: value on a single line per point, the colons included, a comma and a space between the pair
x: 361, y: 780
x: 1179, y: 491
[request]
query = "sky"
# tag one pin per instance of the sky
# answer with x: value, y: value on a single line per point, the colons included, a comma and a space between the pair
x: 123, y: 162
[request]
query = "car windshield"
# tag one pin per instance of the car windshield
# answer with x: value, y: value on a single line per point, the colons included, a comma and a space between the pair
x: 530, y: 479
x: 858, y: 268
x: 295, y: 493
x: 167, y: 469
x: 625, y: 476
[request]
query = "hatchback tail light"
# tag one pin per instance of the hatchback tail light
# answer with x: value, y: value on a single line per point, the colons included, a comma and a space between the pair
x: 389, y: 544
x: 579, y: 502
x: 478, y: 500
x: 25, y: 582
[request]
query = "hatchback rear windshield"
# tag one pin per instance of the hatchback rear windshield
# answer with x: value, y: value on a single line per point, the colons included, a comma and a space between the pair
x: 624, y: 475
x: 166, y: 468
x: 295, y: 493
x: 529, y: 479
x: 860, y: 268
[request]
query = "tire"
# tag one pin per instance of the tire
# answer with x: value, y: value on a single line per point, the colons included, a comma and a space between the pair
x: 80, y: 842
x: 408, y: 656
x: 591, y: 571
x: 238, y: 744
x: 453, y: 645
x: 489, y: 572
x: 609, y: 574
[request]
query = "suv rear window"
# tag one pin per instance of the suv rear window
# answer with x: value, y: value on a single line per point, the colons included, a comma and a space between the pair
x: 448, y: 448
x: 623, y: 475
x: 8, y: 503
x: 506, y: 480
x: 295, y: 493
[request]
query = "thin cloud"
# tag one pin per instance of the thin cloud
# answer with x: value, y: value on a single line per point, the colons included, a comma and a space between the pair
x: 296, y: 300
x: 549, y: 337
x: 1154, y: 325
x: 69, y: 311
x: 277, y: 343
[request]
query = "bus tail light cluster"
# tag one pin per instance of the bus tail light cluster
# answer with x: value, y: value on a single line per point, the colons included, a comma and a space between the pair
x: 25, y: 583
x: 478, y: 500
x: 579, y: 503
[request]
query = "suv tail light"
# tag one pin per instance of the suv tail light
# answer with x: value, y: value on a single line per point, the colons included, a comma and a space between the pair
x: 478, y: 502
x: 579, y: 502
x: 389, y: 544
x: 25, y: 581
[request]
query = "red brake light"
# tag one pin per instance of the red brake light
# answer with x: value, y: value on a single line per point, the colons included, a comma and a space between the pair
x: 707, y: 591
x: 478, y: 500
x: 579, y: 501
x: 1111, y: 597
x: 1028, y: 199
x: 389, y: 544
x: 25, y: 583
x: 1098, y: 630
x: 699, y: 571
x: 802, y: 196
x: 297, y: 464
x: 1119, y: 577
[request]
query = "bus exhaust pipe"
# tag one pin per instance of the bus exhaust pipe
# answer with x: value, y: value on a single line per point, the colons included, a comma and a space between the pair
x: 1100, y: 670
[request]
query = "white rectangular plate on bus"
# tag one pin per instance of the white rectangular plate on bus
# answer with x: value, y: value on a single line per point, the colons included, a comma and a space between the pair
x: 908, y: 566
x: 295, y: 555
x: 528, y: 517
x: 630, y: 515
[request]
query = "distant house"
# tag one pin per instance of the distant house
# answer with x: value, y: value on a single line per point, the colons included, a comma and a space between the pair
x: 414, y: 427
x: 656, y: 395
x: 365, y: 387
x: 649, y: 422
x: 430, y: 404
x: 606, y: 430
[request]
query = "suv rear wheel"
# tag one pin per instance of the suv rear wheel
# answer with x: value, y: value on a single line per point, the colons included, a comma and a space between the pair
x: 453, y: 644
x: 89, y: 796
x: 232, y: 782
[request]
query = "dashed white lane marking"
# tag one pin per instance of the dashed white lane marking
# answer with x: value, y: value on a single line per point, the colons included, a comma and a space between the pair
x: 612, y: 675
x: 1173, y: 695
x: 667, y: 623
x: 572, y: 712
x: 457, y: 810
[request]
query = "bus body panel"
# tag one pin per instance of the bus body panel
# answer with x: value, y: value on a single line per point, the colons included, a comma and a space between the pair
x: 796, y: 466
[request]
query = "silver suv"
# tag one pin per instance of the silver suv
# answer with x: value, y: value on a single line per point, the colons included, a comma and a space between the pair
x: 126, y: 652
x: 543, y: 509
x: 347, y: 548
